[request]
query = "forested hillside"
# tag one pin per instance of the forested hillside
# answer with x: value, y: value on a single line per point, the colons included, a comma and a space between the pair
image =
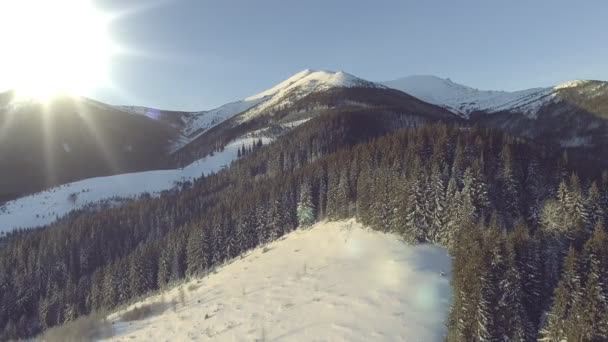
x: 69, y: 139
x: 514, y: 214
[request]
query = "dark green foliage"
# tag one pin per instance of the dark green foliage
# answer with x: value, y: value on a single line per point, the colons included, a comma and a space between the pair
x: 434, y: 183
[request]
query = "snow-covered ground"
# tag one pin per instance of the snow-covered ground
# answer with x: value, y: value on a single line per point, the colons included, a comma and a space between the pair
x: 464, y: 100
x: 45, y: 207
x: 334, y: 282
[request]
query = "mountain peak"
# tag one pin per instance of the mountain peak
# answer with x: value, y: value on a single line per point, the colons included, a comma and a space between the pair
x: 570, y: 84
x: 464, y: 100
x: 302, y: 84
x: 310, y: 80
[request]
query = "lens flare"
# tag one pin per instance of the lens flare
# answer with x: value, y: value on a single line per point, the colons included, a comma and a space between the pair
x: 54, y: 47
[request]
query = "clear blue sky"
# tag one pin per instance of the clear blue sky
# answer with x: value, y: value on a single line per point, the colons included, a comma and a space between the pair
x: 197, y: 54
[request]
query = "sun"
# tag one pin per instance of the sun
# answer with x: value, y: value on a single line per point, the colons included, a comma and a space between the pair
x: 54, y: 47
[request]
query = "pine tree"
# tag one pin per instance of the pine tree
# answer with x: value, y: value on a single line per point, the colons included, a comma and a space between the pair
x: 593, y: 205
x: 364, y: 195
x: 578, y: 218
x: 512, y: 315
x: 439, y: 214
x: 447, y: 234
x: 195, y: 263
x: 534, y: 191
x: 415, y: 229
x: 164, y: 269
x: 554, y: 229
x: 565, y: 313
x: 594, y: 304
x: 593, y: 323
x: 509, y: 185
x: 306, y: 209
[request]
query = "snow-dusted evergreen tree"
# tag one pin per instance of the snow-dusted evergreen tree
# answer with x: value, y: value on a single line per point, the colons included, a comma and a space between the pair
x: 480, y: 187
x: 513, y: 315
x: 446, y: 235
x: 554, y: 329
x: 194, y: 253
x: 509, y: 183
x: 576, y: 212
x: 343, y: 195
x: 489, y: 326
x: 534, y: 191
x: 393, y: 207
x: 164, y: 269
x: 467, y: 208
x: 562, y: 321
x: 594, y: 305
x: 415, y: 229
x: 593, y: 205
x: 322, y: 200
x: 439, y: 205
x: 142, y: 272
x: 334, y: 195
x: 593, y: 322
x: 554, y: 226
x: 470, y: 317
x: 306, y: 210
x: 364, y: 189
x: 276, y: 224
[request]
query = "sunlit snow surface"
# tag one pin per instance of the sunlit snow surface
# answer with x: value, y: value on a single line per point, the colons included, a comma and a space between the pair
x: 300, y: 85
x: 465, y: 100
x: 334, y: 282
x: 45, y: 207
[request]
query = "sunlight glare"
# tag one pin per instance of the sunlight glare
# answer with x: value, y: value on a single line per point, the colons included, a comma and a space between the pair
x: 54, y: 47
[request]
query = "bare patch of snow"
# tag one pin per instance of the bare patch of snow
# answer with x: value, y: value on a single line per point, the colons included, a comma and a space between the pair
x: 295, y: 123
x: 576, y: 142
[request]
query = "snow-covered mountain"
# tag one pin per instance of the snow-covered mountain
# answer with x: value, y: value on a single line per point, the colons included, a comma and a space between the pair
x: 47, y: 206
x: 572, y: 114
x: 464, y: 100
x: 300, y: 85
x: 336, y: 281
x: 303, y: 83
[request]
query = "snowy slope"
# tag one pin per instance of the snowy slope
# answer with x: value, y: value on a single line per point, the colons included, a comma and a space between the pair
x: 195, y: 124
x: 297, y: 86
x: 199, y: 123
x: 45, y: 207
x: 463, y: 100
x: 334, y: 282
x: 300, y: 85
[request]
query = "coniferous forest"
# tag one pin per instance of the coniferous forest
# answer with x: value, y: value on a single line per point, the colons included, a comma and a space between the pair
x: 524, y: 225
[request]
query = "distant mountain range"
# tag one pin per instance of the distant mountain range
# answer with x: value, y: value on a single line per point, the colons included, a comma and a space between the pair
x: 73, y: 139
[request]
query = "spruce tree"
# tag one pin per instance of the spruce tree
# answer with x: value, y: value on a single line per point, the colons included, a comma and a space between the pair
x: 305, y: 209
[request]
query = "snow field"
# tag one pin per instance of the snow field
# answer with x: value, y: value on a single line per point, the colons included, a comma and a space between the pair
x: 334, y: 282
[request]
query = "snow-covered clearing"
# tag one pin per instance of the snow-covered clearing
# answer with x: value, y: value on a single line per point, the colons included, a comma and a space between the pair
x: 334, y: 282
x: 45, y: 207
